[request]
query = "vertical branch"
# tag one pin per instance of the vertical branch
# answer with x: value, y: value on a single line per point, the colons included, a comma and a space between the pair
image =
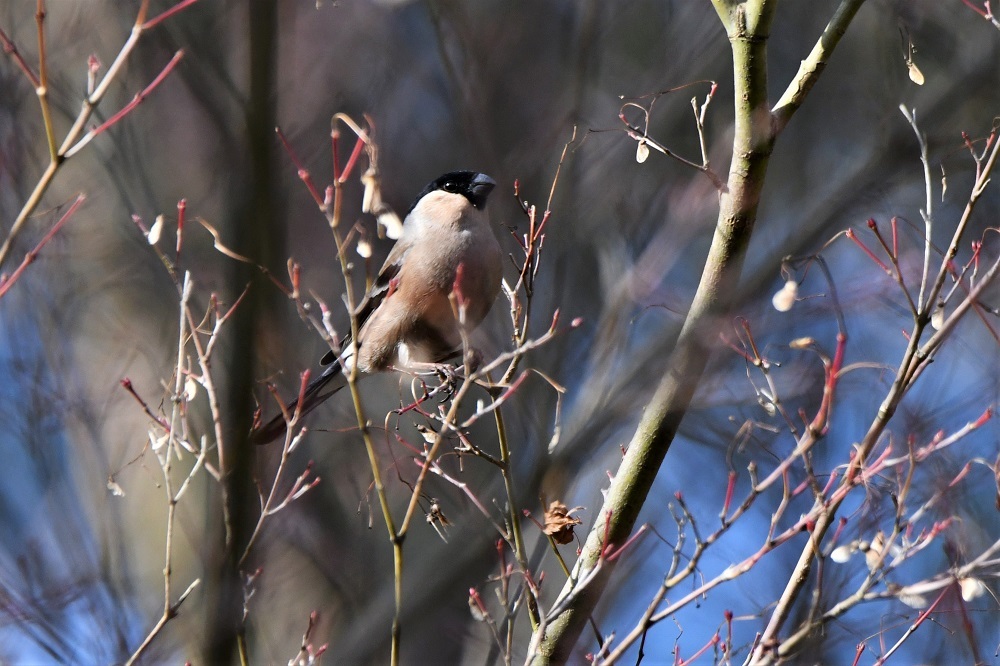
x: 165, y: 456
x: 756, y: 129
x: 748, y: 26
x: 924, y: 307
x: 43, y: 81
x: 226, y: 630
x: 332, y: 206
x: 977, y: 191
x: 520, y: 312
x: 513, y: 513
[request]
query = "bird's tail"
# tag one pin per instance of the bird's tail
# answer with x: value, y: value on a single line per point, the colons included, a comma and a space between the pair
x: 321, y: 388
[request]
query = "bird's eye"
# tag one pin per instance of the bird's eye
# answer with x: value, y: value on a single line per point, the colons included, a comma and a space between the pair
x: 450, y: 186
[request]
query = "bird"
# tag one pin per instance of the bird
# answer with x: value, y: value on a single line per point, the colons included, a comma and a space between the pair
x: 407, y: 319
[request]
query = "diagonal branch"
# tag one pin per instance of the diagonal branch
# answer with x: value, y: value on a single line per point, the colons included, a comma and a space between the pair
x: 756, y: 129
x: 814, y: 64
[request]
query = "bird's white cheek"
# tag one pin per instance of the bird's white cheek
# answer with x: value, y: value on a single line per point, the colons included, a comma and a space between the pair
x: 347, y: 356
x: 403, y: 354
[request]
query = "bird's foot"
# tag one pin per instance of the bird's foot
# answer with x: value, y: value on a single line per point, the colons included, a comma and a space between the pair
x: 448, y: 379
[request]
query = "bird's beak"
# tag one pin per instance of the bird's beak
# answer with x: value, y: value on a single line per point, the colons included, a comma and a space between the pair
x: 482, y: 185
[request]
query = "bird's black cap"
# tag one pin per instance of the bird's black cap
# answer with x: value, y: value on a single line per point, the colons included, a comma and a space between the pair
x: 475, y: 187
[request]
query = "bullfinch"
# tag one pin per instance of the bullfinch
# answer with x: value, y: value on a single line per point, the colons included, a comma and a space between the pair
x: 407, y: 319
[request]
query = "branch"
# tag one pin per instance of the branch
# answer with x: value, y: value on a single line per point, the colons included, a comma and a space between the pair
x: 7, y: 282
x: 748, y: 26
x: 738, y: 211
x: 57, y: 156
x: 814, y: 64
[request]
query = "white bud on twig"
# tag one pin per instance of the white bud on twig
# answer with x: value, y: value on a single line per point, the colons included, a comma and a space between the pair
x: 157, y: 442
x: 785, y: 298
x: 389, y: 221
x: 912, y: 599
x: 842, y: 554
x: 641, y: 152
x: 937, y: 317
x: 153, y: 237
x: 972, y: 588
x: 115, y: 489
x: 365, y: 248
x: 190, y: 388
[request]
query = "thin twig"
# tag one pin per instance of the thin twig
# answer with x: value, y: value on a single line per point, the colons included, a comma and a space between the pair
x: 58, y: 156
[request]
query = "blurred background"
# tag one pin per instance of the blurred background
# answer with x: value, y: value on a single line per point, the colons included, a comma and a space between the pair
x: 496, y: 86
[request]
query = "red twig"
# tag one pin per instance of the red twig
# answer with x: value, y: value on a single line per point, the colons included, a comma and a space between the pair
x: 11, y: 49
x: 979, y: 11
x: 821, y: 422
x: 6, y: 283
x: 302, y: 171
x: 612, y: 553
x: 730, y: 488
x: 128, y: 108
x: 871, y: 255
x: 181, y: 210
x: 358, y: 147
x: 859, y: 649
x: 704, y: 648
x: 127, y: 385
x: 335, y: 149
x: 913, y: 627
x: 180, y: 6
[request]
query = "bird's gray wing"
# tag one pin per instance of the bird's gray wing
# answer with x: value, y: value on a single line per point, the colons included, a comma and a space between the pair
x: 379, y: 290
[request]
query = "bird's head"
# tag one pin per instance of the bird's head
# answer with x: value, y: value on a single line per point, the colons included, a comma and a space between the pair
x: 475, y: 187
